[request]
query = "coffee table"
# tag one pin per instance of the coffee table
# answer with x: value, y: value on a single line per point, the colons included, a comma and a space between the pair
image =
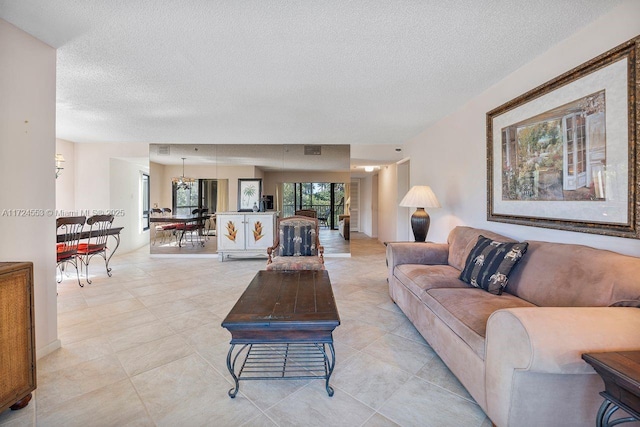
x: 281, y: 328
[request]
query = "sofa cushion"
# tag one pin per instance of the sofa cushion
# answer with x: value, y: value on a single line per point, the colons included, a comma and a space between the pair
x: 419, y: 278
x: 569, y: 275
x: 489, y: 264
x: 467, y: 310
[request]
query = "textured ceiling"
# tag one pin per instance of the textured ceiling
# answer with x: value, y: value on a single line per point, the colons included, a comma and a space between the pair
x: 282, y: 72
x: 268, y: 157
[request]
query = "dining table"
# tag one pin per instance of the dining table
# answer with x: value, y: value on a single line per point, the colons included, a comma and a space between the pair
x: 181, y: 219
x: 85, y: 234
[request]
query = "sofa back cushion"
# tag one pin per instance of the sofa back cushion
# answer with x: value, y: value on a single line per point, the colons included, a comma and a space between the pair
x: 463, y: 239
x: 567, y: 275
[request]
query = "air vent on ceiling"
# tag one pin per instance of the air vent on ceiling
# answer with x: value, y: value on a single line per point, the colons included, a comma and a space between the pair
x: 312, y: 150
x: 164, y: 150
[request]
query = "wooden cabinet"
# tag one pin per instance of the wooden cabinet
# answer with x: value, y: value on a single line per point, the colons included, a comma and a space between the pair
x: 17, y: 335
x: 244, y: 233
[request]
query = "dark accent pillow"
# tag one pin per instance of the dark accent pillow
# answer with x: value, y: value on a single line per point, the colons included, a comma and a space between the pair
x: 626, y: 303
x: 490, y: 262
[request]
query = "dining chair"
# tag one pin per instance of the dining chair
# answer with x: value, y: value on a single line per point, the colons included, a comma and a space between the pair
x: 193, y: 229
x: 297, y: 245
x: 168, y: 228
x: 157, y: 229
x: 323, y: 219
x: 311, y: 213
x: 99, y: 226
x: 67, y: 251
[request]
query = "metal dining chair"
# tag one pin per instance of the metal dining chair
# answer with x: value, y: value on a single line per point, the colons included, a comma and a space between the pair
x: 67, y: 251
x: 99, y: 226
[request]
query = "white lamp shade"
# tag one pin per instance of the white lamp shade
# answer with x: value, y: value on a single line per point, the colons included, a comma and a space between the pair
x: 420, y: 196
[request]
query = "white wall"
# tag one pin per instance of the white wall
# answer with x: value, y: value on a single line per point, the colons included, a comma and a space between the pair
x: 66, y: 183
x: 27, y: 150
x: 126, y: 202
x: 366, y: 205
x: 452, y: 153
x: 101, y: 182
x: 161, y: 176
x: 388, y: 203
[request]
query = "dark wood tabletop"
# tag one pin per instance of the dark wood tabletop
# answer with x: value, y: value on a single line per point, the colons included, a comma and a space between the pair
x: 280, y: 306
x: 180, y: 218
x: 620, y: 371
x: 113, y: 231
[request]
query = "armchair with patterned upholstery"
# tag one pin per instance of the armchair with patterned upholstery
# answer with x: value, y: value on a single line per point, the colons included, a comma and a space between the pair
x: 297, y: 245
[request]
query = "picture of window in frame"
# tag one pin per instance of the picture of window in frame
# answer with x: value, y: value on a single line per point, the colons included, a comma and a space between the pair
x: 565, y: 154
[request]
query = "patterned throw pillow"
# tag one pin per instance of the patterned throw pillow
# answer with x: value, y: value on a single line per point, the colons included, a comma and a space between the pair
x: 297, y: 240
x: 489, y: 264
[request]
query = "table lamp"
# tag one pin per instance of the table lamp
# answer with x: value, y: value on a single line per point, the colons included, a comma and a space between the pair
x: 420, y: 197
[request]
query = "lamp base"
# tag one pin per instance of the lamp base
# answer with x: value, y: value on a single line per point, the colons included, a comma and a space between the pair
x: 420, y: 222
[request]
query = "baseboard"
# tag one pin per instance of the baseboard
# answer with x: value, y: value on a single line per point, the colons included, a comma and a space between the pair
x: 341, y: 255
x: 49, y: 348
x: 212, y: 256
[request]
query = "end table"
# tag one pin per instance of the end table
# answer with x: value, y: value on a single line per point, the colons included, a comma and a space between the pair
x: 620, y: 372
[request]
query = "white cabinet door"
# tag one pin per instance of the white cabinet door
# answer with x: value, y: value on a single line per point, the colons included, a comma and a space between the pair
x: 231, y: 231
x: 259, y: 232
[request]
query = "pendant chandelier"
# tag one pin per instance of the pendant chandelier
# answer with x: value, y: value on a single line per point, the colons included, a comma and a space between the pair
x: 183, y: 182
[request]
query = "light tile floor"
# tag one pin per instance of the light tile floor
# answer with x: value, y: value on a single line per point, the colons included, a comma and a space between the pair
x: 145, y: 347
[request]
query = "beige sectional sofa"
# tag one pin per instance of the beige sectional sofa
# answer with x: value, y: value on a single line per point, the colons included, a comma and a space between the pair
x: 519, y: 354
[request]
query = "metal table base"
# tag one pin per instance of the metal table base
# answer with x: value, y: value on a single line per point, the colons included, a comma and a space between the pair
x: 281, y: 361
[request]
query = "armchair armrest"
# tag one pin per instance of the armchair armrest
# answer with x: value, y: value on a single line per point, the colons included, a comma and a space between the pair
x: 549, y: 340
x: 270, y: 250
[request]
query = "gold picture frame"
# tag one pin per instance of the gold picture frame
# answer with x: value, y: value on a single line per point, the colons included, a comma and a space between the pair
x: 565, y: 154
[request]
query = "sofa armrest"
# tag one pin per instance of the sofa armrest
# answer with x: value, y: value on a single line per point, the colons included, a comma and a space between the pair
x: 549, y: 340
x: 416, y: 253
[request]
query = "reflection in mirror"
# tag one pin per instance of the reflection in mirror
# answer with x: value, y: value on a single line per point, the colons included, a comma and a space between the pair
x: 292, y: 178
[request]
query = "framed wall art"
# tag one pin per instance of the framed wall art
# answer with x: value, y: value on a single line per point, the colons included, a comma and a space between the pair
x: 249, y: 193
x: 565, y: 154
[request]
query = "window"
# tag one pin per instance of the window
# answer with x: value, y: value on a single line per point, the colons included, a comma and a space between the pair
x: 145, y: 201
x: 185, y: 198
x: 327, y: 199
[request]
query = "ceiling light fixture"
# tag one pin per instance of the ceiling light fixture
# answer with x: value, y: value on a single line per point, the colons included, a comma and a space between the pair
x: 182, y: 182
x: 368, y: 168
